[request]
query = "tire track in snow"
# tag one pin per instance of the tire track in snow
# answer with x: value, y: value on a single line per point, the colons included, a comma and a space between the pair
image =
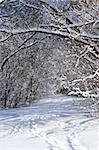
x: 56, y: 121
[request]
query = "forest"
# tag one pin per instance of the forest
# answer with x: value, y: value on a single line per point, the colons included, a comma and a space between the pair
x: 49, y: 74
x: 48, y: 47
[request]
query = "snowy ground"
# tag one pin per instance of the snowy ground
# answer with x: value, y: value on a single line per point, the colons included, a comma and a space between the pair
x: 51, y: 124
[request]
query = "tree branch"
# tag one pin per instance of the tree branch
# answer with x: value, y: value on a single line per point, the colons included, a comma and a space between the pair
x: 18, y: 50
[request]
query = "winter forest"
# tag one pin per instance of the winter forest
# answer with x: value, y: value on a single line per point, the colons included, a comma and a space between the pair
x: 49, y: 73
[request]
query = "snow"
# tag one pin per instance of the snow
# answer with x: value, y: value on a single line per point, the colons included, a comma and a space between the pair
x: 54, y: 123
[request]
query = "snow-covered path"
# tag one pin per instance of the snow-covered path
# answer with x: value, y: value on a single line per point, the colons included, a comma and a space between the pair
x: 51, y: 124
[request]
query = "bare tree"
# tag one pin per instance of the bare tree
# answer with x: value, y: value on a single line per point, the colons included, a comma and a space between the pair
x: 46, y: 47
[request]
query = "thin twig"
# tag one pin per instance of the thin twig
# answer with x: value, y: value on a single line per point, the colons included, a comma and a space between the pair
x: 82, y: 23
x: 18, y: 50
x: 6, y: 38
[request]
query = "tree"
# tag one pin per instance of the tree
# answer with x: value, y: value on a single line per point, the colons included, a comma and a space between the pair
x: 44, y: 48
